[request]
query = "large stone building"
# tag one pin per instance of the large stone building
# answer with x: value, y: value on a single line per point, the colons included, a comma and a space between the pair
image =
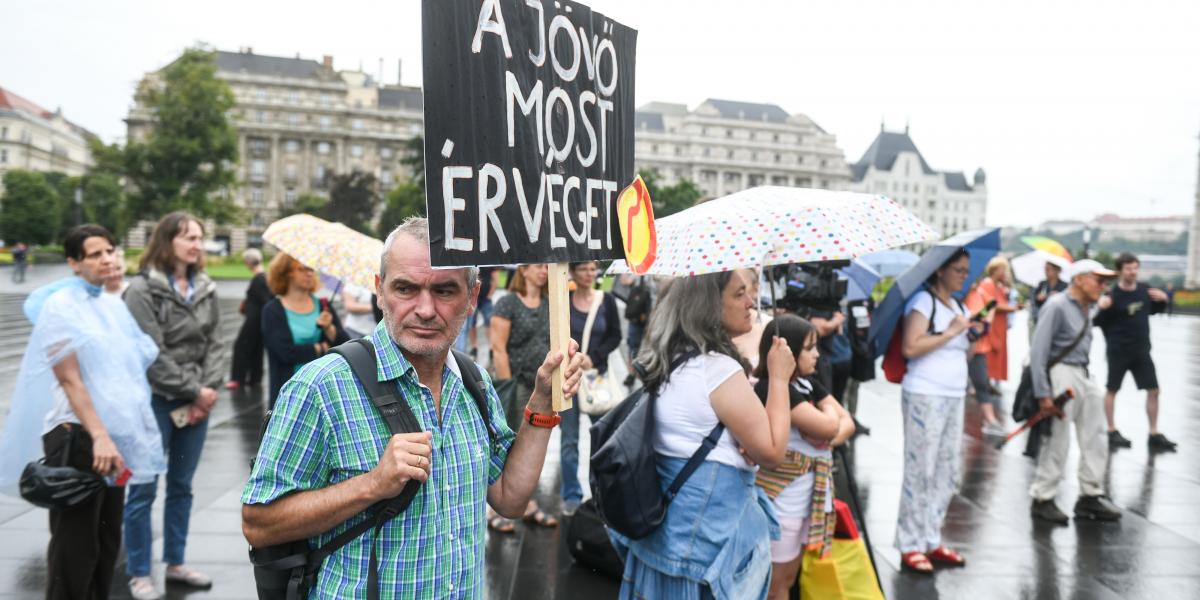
x: 1111, y: 227
x: 299, y: 122
x: 725, y: 146
x: 893, y: 166
x: 37, y: 139
x: 1193, y: 256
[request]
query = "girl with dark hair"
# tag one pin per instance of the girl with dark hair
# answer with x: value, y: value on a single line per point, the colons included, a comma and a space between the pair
x: 174, y: 302
x: 801, y: 487
x: 715, y: 541
x: 934, y: 389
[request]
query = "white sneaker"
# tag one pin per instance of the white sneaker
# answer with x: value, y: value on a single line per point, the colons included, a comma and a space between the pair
x: 183, y: 575
x: 142, y: 588
x: 993, y: 429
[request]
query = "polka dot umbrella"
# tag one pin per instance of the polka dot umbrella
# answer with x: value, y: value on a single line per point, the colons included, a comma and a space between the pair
x: 332, y: 248
x: 770, y: 225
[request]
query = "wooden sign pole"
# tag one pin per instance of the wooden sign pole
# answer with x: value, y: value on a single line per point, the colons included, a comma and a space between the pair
x: 560, y: 326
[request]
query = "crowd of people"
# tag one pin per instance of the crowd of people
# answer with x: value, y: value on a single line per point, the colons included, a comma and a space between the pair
x: 766, y: 394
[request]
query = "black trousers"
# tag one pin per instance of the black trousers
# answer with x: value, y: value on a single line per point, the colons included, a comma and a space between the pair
x: 248, y: 353
x: 84, y: 540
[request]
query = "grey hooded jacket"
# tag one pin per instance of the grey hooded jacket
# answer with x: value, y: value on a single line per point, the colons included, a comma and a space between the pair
x: 190, y: 354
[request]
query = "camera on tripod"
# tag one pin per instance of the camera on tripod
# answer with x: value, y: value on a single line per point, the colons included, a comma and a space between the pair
x: 813, y: 287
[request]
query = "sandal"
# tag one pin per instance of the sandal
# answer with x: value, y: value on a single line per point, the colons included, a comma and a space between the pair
x: 916, y: 562
x: 540, y: 517
x: 946, y: 556
x: 501, y: 524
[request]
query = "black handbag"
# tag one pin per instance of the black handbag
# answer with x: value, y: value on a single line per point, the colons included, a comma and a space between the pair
x: 589, y: 544
x: 58, y: 487
x: 1025, y: 404
x: 624, y: 471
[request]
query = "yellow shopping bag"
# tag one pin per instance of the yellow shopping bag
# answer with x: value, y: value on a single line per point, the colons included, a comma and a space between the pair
x: 845, y: 574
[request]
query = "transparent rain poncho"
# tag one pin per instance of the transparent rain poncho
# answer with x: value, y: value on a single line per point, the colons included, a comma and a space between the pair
x: 73, y: 317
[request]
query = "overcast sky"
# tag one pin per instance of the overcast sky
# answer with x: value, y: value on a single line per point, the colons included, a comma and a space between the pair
x: 1073, y: 108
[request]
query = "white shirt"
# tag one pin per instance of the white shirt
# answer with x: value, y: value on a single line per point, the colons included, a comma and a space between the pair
x: 684, y: 415
x: 363, y: 323
x: 942, y: 372
x: 795, y: 501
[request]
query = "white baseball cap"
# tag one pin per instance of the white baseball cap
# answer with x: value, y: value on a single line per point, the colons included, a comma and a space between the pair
x: 1085, y: 266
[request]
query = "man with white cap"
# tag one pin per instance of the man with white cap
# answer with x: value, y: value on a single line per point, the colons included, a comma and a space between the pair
x: 1064, y: 337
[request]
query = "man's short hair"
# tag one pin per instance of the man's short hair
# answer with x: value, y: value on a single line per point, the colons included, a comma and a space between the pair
x: 1123, y: 259
x: 76, y: 236
x: 418, y: 229
x: 252, y: 257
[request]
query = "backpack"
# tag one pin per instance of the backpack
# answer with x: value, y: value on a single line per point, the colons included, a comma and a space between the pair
x: 624, y: 472
x: 894, y: 363
x: 638, y: 303
x: 288, y: 571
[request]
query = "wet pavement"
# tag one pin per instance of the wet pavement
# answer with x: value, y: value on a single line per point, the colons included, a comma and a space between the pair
x: 1153, y: 552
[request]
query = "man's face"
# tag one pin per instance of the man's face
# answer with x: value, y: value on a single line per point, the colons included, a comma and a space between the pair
x: 99, y: 261
x: 1091, y: 286
x: 1129, y: 272
x: 423, y: 308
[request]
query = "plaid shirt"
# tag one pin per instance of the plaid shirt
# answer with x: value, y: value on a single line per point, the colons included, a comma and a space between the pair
x: 325, y: 430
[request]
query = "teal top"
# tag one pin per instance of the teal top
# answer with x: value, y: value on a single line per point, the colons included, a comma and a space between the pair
x: 304, y: 325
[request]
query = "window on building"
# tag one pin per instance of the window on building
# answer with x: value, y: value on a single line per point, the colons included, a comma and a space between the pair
x: 261, y: 93
x: 385, y: 152
x: 775, y: 137
x: 728, y: 133
x: 778, y: 158
x: 678, y: 150
x: 880, y: 186
x: 799, y: 160
x: 729, y: 154
x: 326, y: 100
x: 824, y: 163
x: 707, y: 151
x: 293, y: 119
x: 356, y: 124
x: 289, y: 198
x: 256, y: 198
x: 291, y: 146
x: 654, y: 148
x: 289, y: 171
x: 258, y: 168
x: 356, y: 150
x: 3, y: 156
x: 3, y: 133
x: 323, y: 148
x: 260, y: 116
x: 803, y: 182
x: 385, y: 177
x: 326, y: 122
x: 294, y: 97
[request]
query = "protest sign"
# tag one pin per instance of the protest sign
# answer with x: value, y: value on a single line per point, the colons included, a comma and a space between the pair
x: 529, y: 113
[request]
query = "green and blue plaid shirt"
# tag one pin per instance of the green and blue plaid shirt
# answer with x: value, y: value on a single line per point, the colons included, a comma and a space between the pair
x: 325, y: 430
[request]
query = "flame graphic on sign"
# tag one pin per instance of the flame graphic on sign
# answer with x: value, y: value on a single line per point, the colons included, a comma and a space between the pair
x: 635, y: 214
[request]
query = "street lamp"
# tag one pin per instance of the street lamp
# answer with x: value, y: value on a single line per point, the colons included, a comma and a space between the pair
x: 1087, y: 240
x: 78, y: 205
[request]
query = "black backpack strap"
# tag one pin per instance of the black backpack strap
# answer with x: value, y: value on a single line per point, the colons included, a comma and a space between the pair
x: 473, y: 381
x: 693, y: 463
x: 386, y: 397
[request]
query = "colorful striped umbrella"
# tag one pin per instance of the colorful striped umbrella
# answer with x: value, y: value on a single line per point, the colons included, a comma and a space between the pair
x: 331, y: 248
x: 771, y: 225
x: 1045, y: 244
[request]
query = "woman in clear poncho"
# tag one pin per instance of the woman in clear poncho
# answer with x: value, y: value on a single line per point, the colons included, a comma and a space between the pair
x: 82, y: 397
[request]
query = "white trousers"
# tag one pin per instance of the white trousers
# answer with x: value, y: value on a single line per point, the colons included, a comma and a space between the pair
x: 1086, y: 411
x: 933, y: 429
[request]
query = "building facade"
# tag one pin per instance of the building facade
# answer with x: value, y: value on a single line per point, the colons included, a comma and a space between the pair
x: 1140, y: 229
x: 945, y: 200
x: 299, y: 122
x: 36, y: 139
x: 725, y: 146
x: 1192, y: 280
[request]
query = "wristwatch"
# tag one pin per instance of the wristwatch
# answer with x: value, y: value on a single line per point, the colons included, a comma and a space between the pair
x: 540, y: 420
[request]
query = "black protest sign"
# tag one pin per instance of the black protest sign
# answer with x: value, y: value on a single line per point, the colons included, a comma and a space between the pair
x: 528, y: 130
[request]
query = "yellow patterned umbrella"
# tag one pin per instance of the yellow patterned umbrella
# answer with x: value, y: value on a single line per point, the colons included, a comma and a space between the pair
x: 331, y: 248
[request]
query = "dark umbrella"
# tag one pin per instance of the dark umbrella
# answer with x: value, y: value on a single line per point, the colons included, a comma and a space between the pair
x: 982, y: 244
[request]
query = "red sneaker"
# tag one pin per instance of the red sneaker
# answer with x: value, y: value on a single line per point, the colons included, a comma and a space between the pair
x: 945, y: 556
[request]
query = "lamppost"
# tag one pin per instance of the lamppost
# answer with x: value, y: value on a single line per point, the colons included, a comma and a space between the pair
x: 1087, y: 240
x: 78, y: 205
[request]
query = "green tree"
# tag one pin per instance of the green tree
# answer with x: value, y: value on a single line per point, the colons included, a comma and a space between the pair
x: 29, y: 209
x: 191, y: 152
x: 407, y: 200
x: 104, y: 202
x: 668, y: 200
x: 414, y: 159
x: 309, y: 204
x: 352, y: 200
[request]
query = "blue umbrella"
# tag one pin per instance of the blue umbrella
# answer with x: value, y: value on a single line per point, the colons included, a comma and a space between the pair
x: 861, y: 279
x: 982, y: 244
x: 890, y: 263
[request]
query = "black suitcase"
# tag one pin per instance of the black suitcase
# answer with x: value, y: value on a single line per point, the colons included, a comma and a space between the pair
x: 587, y: 540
